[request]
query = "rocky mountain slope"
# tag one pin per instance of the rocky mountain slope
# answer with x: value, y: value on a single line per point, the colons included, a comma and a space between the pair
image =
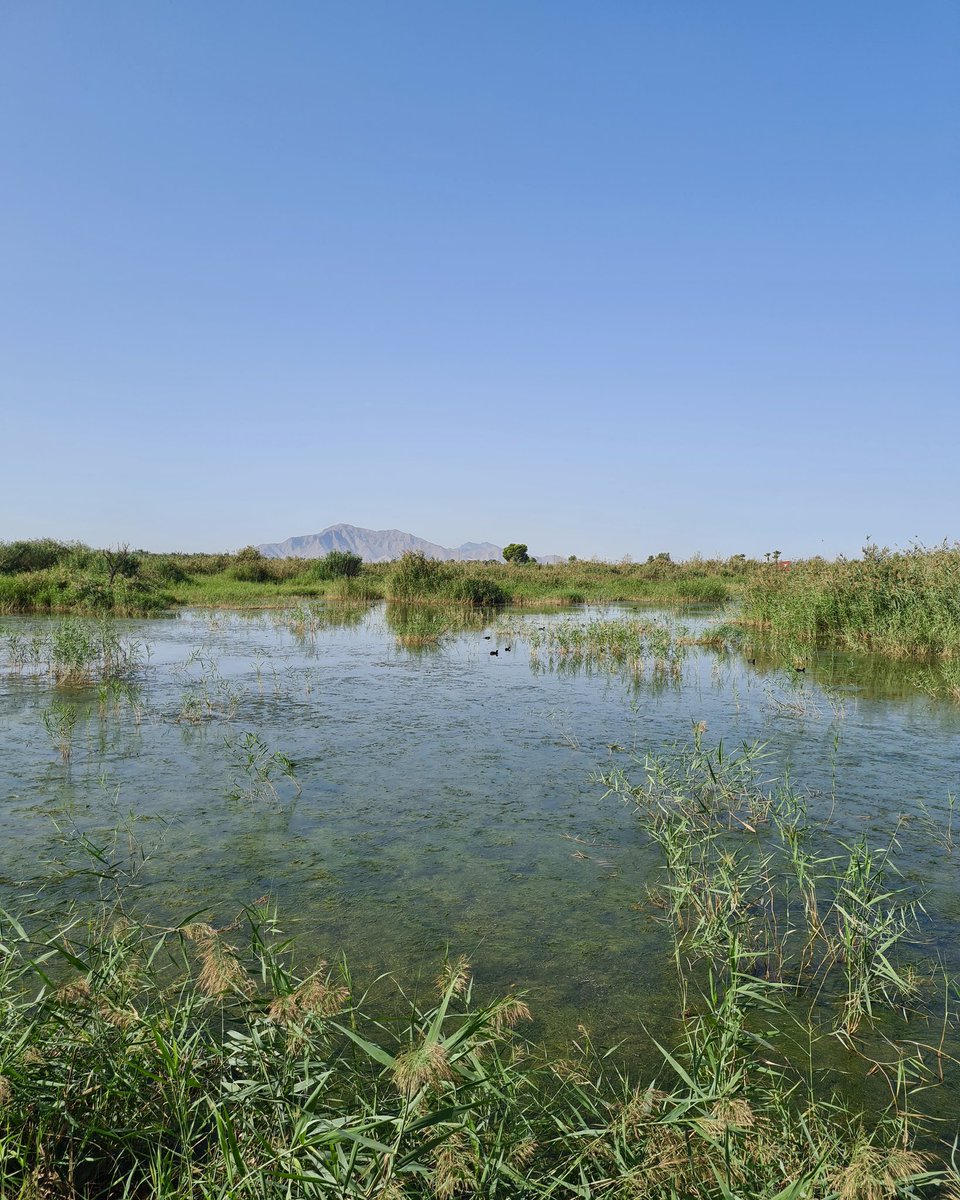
x: 379, y: 545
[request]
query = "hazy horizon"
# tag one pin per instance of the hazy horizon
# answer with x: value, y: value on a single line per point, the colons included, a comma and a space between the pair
x: 609, y: 280
x: 535, y: 550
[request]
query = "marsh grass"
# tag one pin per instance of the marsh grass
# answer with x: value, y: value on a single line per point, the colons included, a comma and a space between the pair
x: 418, y: 579
x: 75, y: 652
x: 48, y: 576
x: 306, y: 619
x: 207, y: 695
x: 260, y: 769
x: 901, y: 603
x: 941, y: 681
x: 203, y: 1061
x: 752, y: 881
x: 60, y: 720
x: 637, y: 646
x: 220, y: 590
x: 429, y: 626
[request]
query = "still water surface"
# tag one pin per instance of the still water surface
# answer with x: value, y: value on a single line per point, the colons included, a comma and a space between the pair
x: 446, y: 796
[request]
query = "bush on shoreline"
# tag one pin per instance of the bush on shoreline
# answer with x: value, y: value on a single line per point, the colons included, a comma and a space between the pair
x: 904, y: 603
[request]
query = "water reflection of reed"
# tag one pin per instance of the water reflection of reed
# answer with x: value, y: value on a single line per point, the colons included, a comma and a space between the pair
x: 429, y: 626
x: 305, y: 620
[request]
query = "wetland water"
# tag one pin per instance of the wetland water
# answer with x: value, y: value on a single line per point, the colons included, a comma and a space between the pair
x: 446, y: 795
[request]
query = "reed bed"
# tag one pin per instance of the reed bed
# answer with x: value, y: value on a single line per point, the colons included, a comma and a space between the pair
x: 754, y: 885
x: 423, y: 626
x: 73, y: 652
x: 204, y: 1062
x: 901, y: 603
x: 633, y: 645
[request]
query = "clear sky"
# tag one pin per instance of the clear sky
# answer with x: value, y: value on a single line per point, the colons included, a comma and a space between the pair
x: 605, y: 277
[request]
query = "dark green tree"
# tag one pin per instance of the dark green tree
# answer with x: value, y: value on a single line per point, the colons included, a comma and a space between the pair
x: 516, y: 552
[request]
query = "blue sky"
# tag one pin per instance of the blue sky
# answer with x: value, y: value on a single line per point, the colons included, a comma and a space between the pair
x: 607, y: 278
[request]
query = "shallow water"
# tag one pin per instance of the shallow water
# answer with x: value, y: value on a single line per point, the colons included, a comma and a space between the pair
x: 446, y: 796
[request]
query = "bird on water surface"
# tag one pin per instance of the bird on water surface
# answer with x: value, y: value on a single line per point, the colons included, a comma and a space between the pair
x: 494, y: 653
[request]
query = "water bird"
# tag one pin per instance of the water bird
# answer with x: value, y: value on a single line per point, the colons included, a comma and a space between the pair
x: 800, y: 670
x: 507, y: 649
x: 487, y: 637
x: 752, y: 662
x: 494, y: 652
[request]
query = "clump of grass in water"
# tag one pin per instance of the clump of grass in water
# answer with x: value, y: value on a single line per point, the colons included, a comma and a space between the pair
x: 209, y: 696
x: 305, y: 621
x: 60, y: 720
x: 261, y: 767
x: 252, y: 1078
x: 618, y: 644
x: 76, y: 652
x: 745, y: 886
x: 426, y: 626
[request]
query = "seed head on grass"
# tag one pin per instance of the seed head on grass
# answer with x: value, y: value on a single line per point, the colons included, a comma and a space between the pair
x: 423, y: 1066
x: 220, y: 969
x: 510, y: 1012
x: 120, y: 1017
x: 873, y: 1172
x: 77, y: 991
x: 455, y: 975
x: 727, y: 1115
x: 455, y: 1169
x: 316, y: 996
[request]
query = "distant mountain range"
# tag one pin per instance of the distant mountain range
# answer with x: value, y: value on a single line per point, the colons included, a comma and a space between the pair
x: 381, y: 545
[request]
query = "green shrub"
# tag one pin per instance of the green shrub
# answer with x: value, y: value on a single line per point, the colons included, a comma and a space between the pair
x: 36, y: 555
x: 250, y: 566
x: 166, y: 568
x: 338, y: 564
x: 63, y: 590
x: 416, y: 576
x: 701, y: 591
x: 477, y: 591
